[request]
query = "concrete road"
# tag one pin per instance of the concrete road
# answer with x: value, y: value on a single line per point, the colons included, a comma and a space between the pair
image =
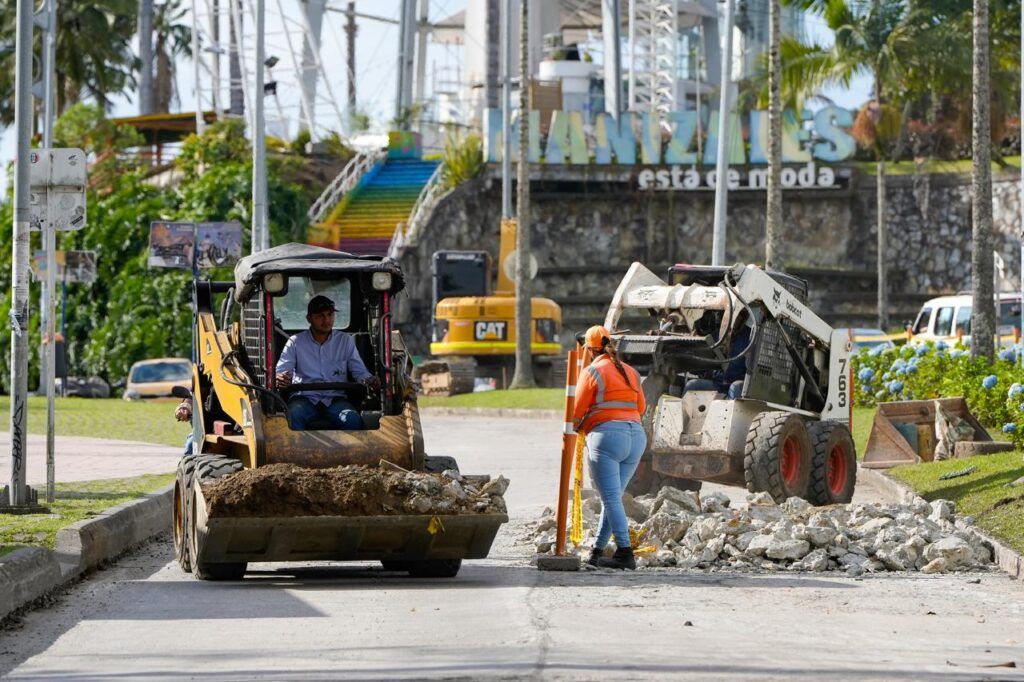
x: 86, y: 459
x: 501, y: 618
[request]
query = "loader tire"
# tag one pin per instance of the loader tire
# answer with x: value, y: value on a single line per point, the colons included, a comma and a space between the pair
x: 833, y: 465
x: 181, y: 504
x: 777, y: 457
x: 208, y: 468
x: 435, y: 568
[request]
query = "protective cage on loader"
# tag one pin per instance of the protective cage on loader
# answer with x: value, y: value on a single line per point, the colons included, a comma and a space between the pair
x: 745, y: 385
x: 240, y: 421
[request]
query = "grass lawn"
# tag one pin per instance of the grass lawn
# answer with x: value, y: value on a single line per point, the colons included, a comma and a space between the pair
x: 909, y: 167
x: 74, y: 502
x: 526, y: 399
x: 984, y: 494
x: 862, y: 419
x: 112, y: 418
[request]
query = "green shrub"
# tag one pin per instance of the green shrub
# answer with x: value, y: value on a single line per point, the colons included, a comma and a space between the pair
x: 994, y: 392
x: 463, y: 159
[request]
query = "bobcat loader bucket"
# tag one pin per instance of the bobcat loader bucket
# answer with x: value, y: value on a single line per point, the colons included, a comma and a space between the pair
x: 899, y: 426
x: 342, y: 538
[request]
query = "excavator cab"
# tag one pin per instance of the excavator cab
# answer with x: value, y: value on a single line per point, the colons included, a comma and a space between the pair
x: 240, y: 422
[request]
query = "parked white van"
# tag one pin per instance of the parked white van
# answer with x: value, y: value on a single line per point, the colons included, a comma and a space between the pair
x: 946, y: 316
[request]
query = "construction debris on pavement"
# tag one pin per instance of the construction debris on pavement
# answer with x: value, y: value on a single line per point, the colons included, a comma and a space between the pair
x: 291, y: 490
x: 686, y: 530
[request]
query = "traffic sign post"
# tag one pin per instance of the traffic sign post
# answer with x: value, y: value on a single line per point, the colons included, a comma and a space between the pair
x: 57, y: 179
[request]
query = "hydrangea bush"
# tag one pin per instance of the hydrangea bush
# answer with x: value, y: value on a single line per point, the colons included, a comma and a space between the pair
x: 994, y: 392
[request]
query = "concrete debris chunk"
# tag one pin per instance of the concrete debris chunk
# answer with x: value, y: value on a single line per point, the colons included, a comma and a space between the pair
x: 685, y: 530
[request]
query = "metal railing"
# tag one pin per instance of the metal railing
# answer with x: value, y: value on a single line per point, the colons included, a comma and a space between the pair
x: 420, y: 214
x: 344, y: 183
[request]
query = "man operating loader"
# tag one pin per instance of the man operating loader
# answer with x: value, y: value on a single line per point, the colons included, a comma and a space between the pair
x: 322, y: 354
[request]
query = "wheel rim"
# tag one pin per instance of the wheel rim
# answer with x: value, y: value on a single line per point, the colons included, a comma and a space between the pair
x: 790, y: 462
x: 837, y: 470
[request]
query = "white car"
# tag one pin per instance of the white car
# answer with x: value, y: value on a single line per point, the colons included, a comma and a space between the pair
x: 947, y: 316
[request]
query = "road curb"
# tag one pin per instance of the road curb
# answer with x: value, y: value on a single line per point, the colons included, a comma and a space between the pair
x: 1006, y: 558
x: 499, y: 412
x: 30, y: 573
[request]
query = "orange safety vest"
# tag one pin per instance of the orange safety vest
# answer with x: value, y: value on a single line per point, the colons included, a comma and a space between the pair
x: 602, y: 395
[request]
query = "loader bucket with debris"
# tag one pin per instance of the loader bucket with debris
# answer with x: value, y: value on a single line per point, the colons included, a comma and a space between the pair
x: 401, y: 538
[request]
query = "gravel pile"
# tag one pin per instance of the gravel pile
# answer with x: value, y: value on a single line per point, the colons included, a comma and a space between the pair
x: 681, y: 529
x: 289, y: 490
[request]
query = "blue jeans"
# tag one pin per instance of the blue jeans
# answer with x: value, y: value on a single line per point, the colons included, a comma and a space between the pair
x: 613, y: 450
x: 189, y: 443
x: 734, y: 391
x: 339, y: 414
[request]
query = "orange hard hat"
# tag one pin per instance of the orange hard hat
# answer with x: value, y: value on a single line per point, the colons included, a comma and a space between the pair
x: 597, y: 337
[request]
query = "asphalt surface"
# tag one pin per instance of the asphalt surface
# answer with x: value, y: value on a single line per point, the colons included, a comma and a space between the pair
x: 501, y: 618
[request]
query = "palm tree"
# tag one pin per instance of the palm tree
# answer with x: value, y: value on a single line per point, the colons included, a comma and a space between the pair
x: 522, y: 377
x: 983, y: 315
x: 865, y: 42
x: 173, y: 40
x: 773, y: 218
x: 94, y: 55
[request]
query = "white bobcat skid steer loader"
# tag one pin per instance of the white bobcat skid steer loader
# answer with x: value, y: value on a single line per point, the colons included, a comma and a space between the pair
x: 745, y: 385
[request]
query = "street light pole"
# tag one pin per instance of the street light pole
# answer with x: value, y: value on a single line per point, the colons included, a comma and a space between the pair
x: 260, y: 236
x: 47, y: 377
x: 722, y: 166
x: 18, y: 493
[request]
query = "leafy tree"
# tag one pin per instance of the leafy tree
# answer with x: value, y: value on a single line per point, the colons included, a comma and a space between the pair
x: 865, y: 41
x: 133, y: 312
x: 94, y: 54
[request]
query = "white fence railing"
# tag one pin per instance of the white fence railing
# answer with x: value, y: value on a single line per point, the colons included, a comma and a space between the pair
x: 419, y: 215
x: 344, y: 183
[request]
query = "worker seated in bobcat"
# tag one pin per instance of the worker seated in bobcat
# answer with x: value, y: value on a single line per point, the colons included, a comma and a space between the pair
x: 318, y: 355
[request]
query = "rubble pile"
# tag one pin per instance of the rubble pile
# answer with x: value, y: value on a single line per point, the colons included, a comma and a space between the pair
x: 683, y: 529
x: 290, y: 491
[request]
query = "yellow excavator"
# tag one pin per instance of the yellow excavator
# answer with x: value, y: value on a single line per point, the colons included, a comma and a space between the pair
x: 473, y: 327
x: 240, y: 423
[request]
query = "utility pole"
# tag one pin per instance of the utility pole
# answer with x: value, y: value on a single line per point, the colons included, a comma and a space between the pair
x: 200, y: 121
x: 260, y: 236
x: 18, y: 494
x: 48, y: 369
x: 722, y: 167
x: 422, y: 23
x: 506, y: 110
x: 773, y: 218
x: 523, y: 375
x: 146, y: 56
x: 983, y: 313
x: 350, y: 46
x: 1021, y: 301
x: 236, y: 95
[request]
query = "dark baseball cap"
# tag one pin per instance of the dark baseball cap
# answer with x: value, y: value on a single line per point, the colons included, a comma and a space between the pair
x: 318, y: 304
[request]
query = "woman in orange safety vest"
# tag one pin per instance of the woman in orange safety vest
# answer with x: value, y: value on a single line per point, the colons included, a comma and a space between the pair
x: 608, y: 405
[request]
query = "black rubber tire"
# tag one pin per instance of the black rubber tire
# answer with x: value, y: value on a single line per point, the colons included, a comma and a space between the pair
x: 395, y: 565
x: 181, y: 505
x: 826, y: 479
x: 435, y: 568
x: 207, y: 468
x: 763, y: 458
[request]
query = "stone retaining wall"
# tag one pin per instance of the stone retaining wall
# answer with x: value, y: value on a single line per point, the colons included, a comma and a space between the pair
x: 589, y: 224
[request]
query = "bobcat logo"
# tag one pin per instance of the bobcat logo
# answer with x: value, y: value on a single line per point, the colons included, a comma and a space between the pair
x: 777, y: 296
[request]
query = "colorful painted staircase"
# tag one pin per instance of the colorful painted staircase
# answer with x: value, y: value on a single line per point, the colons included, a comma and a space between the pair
x: 364, y: 221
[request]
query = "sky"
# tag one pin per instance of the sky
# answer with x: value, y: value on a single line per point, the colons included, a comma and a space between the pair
x: 376, y: 57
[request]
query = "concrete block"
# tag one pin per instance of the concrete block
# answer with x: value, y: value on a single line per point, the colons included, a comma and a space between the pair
x: 26, y: 574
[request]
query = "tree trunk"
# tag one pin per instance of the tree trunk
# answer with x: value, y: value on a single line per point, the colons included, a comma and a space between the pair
x: 983, y: 314
x: 164, y: 81
x: 145, y: 56
x: 883, y: 284
x: 523, y: 376
x: 237, y: 97
x: 773, y: 228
